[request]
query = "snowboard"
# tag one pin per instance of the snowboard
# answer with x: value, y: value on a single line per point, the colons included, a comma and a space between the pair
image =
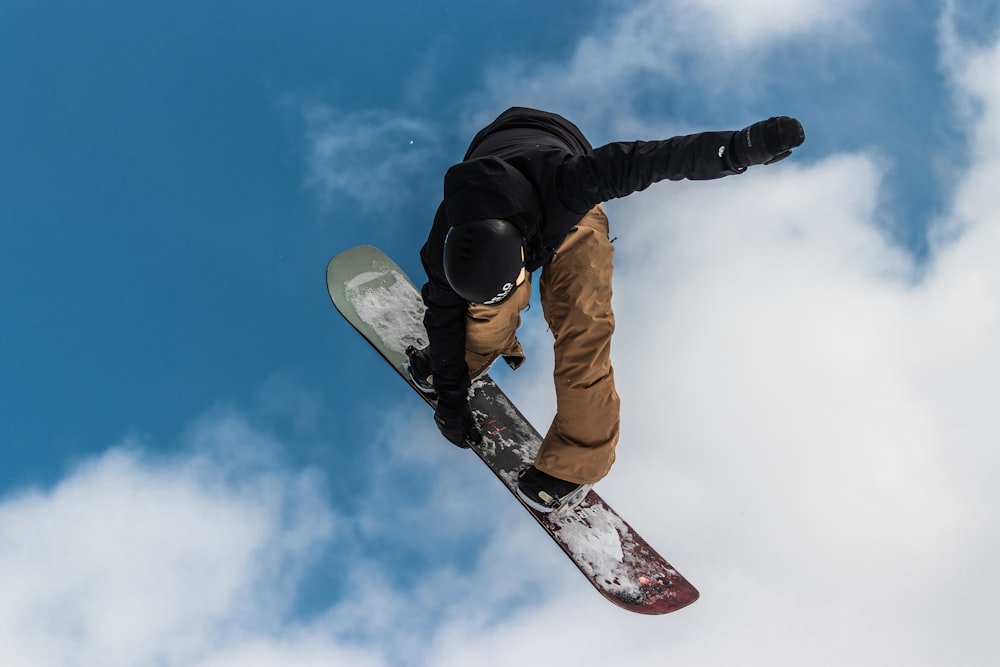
x: 377, y: 299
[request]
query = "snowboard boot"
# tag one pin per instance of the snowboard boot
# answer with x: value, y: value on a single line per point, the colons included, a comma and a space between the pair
x: 420, y: 370
x: 546, y: 493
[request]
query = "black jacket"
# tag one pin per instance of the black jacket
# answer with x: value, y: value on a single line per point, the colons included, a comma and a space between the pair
x: 537, y: 170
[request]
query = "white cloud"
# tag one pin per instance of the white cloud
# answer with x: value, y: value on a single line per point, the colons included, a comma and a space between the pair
x: 751, y: 25
x: 376, y: 159
x: 139, y: 561
x: 716, y: 51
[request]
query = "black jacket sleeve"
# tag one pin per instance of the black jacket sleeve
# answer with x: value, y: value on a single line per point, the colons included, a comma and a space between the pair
x: 619, y: 169
x: 444, y: 318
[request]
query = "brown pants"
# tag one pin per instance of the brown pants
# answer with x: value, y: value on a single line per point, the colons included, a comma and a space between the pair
x: 575, y: 290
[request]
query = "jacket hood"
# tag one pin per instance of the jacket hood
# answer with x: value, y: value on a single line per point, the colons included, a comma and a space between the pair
x: 486, y: 188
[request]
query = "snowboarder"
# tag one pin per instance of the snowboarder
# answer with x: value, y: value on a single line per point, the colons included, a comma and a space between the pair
x: 528, y: 195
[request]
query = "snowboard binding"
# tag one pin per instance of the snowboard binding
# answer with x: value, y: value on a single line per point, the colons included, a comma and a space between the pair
x: 419, y: 370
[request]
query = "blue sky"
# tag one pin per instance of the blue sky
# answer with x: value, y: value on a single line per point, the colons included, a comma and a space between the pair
x: 204, y: 465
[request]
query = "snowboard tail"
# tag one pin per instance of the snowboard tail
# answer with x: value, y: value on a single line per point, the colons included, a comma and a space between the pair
x: 378, y: 300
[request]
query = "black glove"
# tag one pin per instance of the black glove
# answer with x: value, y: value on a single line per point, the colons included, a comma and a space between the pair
x: 764, y: 142
x: 454, y: 419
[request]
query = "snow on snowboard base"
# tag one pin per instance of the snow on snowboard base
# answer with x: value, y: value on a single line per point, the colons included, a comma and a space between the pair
x: 377, y: 298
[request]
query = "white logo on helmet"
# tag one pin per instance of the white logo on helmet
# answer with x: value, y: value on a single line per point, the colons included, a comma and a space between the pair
x: 501, y: 296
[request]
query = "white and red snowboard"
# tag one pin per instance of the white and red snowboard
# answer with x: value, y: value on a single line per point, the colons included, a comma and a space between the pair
x: 377, y: 298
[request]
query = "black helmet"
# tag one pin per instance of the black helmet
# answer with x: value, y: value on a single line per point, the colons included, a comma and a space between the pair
x: 483, y: 259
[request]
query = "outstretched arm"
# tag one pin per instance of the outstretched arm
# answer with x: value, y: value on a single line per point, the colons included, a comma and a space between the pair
x: 621, y: 168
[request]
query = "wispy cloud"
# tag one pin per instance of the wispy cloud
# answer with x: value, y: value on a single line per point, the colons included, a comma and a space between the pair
x: 716, y: 51
x: 377, y: 160
x: 973, y: 69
